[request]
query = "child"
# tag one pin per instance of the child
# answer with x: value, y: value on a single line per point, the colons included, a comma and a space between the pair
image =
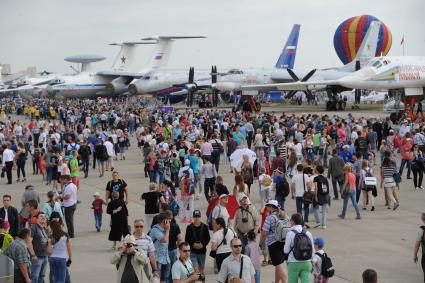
x: 266, y: 187
x: 253, y: 251
x: 319, y: 243
x: 98, y: 210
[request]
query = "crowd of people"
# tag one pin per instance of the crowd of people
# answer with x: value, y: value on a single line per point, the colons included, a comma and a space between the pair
x: 275, y: 158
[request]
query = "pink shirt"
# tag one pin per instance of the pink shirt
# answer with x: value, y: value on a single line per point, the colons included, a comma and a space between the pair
x: 352, y: 180
x: 206, y: 148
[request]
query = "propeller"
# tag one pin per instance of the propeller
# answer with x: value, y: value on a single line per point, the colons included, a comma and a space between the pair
x: 191, y: 87
x: 213, y: 83
x: 307, y: 92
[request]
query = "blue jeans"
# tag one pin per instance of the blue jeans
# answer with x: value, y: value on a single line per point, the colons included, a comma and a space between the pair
x: 163, y: 270
x: 322, y: 220
x: 340, y: 180
x: 300, y: 203
x: 409, y: 167
x: 152, y: 177
x: 58, y: 268
x: 280, y: 200
x: 173, y: 259
x: 98, y: 220
x: 38, y: 269
x: 351, y: 194
x: 198, y: 260
x: 257, y: 276
x: 86, y: 164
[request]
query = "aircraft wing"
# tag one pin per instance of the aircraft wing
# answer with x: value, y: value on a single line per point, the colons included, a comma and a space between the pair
x: 113, y: 73
x: 299, y: 86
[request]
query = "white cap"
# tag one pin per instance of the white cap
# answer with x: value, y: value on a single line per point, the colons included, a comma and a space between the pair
x: 273, y: 202
x: 96, y: 194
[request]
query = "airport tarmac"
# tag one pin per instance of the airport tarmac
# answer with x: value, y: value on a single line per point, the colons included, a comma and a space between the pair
x: 382, y: 240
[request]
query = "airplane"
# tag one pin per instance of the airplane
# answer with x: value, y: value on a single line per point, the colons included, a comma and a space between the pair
x: 175, y: 85
x: 86, y: 83
x: 364, y: 54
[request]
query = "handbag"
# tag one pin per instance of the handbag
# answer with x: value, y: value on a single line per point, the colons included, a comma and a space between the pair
x: 213, y: 254
x: 308, y: 196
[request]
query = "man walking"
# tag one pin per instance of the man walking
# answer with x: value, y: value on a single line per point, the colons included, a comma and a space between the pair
x: 335, y: 171
x: 69, y: 202
x: 9, y: 214
x: 237, y: 265
x: 8, y: 162
x: 38, y: 248
x: 18, y: 252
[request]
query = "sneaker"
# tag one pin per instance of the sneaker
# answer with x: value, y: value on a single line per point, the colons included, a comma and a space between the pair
x: 422, y: 188
x: 358, y: 217
x: 306, y: 226
x: 396, y: 206
x: 373, y: 208
x: 112, y: 168
x: 417, y: 188
x: 317, y: 225
x: 323, y: 227
x: 341, y: 216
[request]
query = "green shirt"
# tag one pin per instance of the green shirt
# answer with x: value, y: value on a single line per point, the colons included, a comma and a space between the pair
x: 74, y: 163
x: 316, y: 140
x: 238, y: 137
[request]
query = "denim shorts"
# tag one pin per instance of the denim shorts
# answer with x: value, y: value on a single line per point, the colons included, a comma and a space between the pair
x: 164, y: 271
x: 198, y: 260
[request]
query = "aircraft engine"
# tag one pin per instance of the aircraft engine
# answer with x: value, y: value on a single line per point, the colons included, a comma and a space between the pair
x: 116, y: 88
x: 191, y: 87
x: 133, y: 88
x: 227, y: 86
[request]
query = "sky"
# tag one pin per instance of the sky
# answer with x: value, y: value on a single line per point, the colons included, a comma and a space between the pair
x: 240, y: 33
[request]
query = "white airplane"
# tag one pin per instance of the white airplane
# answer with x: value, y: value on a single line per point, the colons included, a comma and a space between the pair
x: 174, y: 85
x: 364, y: 54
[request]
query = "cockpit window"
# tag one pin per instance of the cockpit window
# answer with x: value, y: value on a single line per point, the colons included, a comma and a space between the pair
x: 146, y: 78
x: 377, y: 64
x: 235, y: 72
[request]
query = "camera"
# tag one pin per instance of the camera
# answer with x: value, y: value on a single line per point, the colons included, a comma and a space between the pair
x: 129, y: 245
x: 201, y: 277
x: 244, y: 220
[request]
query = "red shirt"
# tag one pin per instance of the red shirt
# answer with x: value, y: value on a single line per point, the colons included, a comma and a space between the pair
x: 97, y: 206
x: 406, y: 151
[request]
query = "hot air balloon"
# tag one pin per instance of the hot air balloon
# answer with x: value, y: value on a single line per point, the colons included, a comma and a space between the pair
x: 350, y: 33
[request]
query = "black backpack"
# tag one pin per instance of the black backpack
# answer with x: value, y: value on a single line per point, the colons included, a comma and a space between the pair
x: 328, y: 270
x: 283, y: 188
x: 302, y: 248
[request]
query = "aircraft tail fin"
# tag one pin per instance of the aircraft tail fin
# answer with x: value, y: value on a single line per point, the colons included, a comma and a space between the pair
x: 162, y: 51
x: 287, y: 56
x: 367, y: 49
x: 125, y: 57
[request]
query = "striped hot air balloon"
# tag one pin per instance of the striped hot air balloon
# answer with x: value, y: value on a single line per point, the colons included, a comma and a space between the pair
x: 350, y: 33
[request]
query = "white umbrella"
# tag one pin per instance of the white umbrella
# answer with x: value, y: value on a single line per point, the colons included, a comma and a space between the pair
x: 236, y: 158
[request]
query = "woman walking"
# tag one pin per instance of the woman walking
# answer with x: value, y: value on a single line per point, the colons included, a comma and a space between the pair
x: 220, y: 241
x: 247, y: 172
x: 240, y: 188
x: 388, y: 182
x: 349, y: 191
x: 59, y: 249
x: 21, y: 158
x: 417, y: 167
x: 366, y: 189
x: 119, y: 215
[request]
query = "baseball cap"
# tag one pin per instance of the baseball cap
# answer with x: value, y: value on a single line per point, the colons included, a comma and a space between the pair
x: 223, y: 195
x: 242, y: 196
x: 187, y: 162
x: 273, y: 202
x: 96, y: 194
x: 196, y: 213
x: 319, y: 242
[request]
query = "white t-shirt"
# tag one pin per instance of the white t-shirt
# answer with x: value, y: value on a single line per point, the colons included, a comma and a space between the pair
x: 299, y: 184
x: 109, y: 148
x: 220, y: 212
x: 217, y: 237
x: 71, y: 190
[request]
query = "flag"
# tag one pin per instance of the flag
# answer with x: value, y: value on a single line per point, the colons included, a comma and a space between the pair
x: 402, y: 40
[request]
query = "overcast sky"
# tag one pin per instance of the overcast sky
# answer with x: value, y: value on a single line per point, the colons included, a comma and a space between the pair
x: 241, y: 33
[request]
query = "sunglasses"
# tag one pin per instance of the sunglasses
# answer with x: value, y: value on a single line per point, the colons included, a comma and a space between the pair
x: 237, y: 246
x: 139, y: 226
x: 186, y: 251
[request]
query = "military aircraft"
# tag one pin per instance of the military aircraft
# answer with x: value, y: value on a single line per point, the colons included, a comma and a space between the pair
x: 176, y: 85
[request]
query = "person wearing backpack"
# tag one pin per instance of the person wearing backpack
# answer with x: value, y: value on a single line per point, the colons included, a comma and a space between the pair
x: 299, y: 248
x: 321, y: 198
x: 420, y: 241
x: 366, y: 188
x: 268, y: 234
x: 322, y: 264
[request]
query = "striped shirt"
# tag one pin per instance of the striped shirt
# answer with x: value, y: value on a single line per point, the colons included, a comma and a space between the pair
x: 388, y: 172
